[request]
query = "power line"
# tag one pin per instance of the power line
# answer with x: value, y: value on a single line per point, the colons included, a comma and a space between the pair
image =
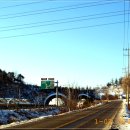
x: 68, y: 21
x: 51, y: 10
x: 37, y: 2
x: 61, y: 30
x: 124, y: 25
x: 124, y: 61
x: 128, y: 24
x: 55, y: 20
x: 12, y: 6
x: 47, y: 9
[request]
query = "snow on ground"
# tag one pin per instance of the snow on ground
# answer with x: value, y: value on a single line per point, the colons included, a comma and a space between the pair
x: 125, y: 117
x: 15, y: 117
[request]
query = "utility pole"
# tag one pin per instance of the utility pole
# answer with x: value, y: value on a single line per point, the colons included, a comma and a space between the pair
x: 128, y: 50
x: 124, y: 71
x: 125, y: 75
x: 128, y: 76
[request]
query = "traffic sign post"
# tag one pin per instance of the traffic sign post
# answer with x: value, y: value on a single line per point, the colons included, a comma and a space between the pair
x: 57, y: 93
x: 49, y: 84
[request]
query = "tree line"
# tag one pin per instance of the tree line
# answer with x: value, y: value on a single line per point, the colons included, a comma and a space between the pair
x: 115, y: 82
x: 10, y: 77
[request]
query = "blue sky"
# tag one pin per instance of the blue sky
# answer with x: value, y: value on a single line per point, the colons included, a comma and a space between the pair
x: 88, y: 56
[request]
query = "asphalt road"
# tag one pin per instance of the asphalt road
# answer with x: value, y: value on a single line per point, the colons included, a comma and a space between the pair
x: 98, y: 118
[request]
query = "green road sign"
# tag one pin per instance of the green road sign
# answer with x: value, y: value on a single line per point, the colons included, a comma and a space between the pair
x: 47, y: 84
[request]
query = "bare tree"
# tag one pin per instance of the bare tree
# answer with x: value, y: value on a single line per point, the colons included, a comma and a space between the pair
x: 126, y: 87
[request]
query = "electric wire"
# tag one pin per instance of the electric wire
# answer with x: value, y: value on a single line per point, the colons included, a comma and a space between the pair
x: 63, y: 22
x: 37, y: 2
x: 128, y: 24
x: 124, y: 61
x: 17, y: 5
x: 62, y: 19
x: 61, y: 30
x: 51, y: 10
x: 66, y: 7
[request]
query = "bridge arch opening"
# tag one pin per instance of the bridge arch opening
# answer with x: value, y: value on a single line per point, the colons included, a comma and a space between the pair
x: 62, y: 99
x: 84, y: 100
x: 83, y: 96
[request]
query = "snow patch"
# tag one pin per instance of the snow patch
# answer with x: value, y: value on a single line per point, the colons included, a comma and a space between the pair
x: 124, y: 122
x: 12, y: 117
x: 16, y: 117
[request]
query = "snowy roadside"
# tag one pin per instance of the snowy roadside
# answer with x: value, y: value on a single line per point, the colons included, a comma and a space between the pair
x: 122, y: 121
x: 125, y: 117
x: 12, y: 117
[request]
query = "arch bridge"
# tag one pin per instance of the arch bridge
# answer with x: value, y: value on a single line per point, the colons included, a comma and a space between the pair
x: 66, y: 94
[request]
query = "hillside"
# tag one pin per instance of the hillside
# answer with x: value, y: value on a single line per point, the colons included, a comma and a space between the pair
x: 13, y: 86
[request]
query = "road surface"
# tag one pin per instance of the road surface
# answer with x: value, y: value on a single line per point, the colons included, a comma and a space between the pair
x: 98, y: 118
